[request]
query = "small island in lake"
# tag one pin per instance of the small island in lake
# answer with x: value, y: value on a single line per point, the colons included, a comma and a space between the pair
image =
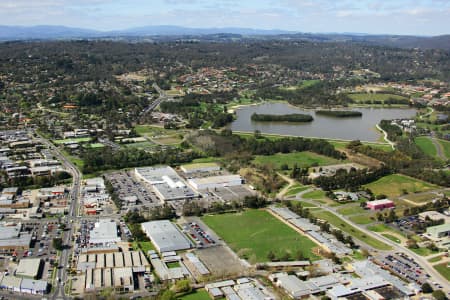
x: 282, y: 118
x: 339, y: 113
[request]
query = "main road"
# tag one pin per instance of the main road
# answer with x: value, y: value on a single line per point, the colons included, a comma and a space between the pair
x: 435, y: 275
x: 74, y: 195
x: 162, y: 97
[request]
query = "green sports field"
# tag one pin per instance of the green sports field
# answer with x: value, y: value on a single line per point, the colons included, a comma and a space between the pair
x: 302, y: 159
x: 394, y: 185
x: 252, y: 234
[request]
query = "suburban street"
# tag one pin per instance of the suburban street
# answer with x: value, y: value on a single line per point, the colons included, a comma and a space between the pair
x: 162, y: 97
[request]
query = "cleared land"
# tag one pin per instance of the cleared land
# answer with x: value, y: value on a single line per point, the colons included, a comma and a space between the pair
x: 444, y: 270
x: 426, y: 145
x: 167, y: 140
x: 252, y: 234
x: 350, y: 230
x: 421, y: 198
x: 394, y: 185
x: 302, y: 159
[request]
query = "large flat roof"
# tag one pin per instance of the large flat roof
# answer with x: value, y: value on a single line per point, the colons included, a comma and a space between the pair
x: 166, y: 182
x: 28, y: 267
x: 166, y: 236
x: 105, y: 231
x: 219, y: 180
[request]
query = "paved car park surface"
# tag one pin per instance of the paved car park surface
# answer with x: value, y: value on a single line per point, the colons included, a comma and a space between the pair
x: 125, y: 185
x: 405, y: 267
x: 201, y: 238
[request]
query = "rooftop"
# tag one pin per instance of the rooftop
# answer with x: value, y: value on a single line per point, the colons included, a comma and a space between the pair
x: 28, y: 267
x: 165, y: 235
x: 105, y: 231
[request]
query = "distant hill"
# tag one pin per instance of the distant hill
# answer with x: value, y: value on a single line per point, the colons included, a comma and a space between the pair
x: 61, y: 32
x: 161, y: 32
x: 44, y: 32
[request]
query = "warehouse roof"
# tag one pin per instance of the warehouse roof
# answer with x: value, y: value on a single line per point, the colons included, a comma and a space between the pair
x: 165, y: 236
x: 223, y: 179
x: 28, y: 267
x: 34, y: 285
x: 166, y: 182
x: 380, y: 202
x: 105, y: 231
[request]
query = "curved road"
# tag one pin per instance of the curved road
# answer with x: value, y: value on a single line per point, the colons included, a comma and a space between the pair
x: 436, y: 276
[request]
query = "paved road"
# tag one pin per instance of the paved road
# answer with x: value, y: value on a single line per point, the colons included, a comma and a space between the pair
x: 162, y: 97
x: 435, y: 276
x: 62, y: 275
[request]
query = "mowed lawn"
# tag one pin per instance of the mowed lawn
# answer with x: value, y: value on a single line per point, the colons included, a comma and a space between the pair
x: 394, y: 185
x: 296, y: 188
x: 426, y: 145
x: 302, y: 159
x: 196, y: 295
x: 444, y: 269
x: 252, y: 234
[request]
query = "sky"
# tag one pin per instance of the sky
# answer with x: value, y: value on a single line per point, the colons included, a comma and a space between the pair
x: 412, y: 17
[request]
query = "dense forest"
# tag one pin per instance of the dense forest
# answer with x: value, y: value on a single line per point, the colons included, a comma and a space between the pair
x: 296, y: 118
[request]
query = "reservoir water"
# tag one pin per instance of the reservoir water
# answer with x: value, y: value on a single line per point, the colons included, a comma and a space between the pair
x: 355, y: 128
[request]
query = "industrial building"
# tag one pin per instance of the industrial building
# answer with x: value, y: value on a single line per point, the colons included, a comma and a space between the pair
x: 111, y: 270
x: 380, y: 204
x: 23, y: 285
x: 104, y: 233
x: 243, y: 288
x: 12, y: 239
x: 215, y: 182
x: 166, y: 183
x: 200, y: 167
x: 325, y: 240
x: 29, y: 268
x: 165, y: 236
x: 433, y: 216
x: 439, y: 231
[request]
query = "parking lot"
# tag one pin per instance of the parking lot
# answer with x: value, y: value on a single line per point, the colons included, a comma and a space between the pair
x: 43, y: 233
x: 125, y: 185
x: 199, y: 235
x: 405, y: 267
x: 411, y: 225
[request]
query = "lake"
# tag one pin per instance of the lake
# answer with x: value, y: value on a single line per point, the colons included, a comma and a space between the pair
x: 358, y: 128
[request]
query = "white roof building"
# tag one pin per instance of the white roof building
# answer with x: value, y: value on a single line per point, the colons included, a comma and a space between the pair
x: 165, y: 236
x: 28, y: 267
x: 215, y: 182
x: 104, y: 232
